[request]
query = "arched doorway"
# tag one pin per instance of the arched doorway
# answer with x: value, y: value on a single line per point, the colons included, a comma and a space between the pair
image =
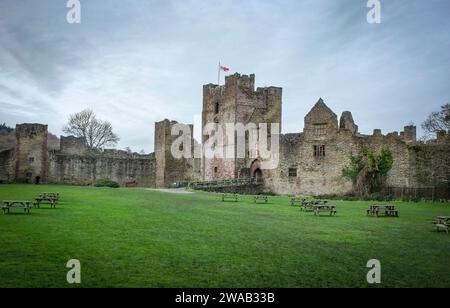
x: 255, y: 171
x: 37, y: 180
x: 257, y: 175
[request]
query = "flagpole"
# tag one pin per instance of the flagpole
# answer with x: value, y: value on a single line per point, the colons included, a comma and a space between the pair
x: 218, y: 75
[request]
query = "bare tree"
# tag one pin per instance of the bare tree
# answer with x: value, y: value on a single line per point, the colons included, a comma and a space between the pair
x: 97, y: 133
x: 438, y: 121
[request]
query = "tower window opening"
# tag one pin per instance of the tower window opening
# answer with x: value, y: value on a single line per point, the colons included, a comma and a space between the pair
x: 293, y: 172
x: 216, y: 108
x: 319, y: 151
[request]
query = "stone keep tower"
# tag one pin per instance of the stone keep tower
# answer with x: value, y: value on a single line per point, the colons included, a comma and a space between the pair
x: 31, y: 153
x: 237, y: 102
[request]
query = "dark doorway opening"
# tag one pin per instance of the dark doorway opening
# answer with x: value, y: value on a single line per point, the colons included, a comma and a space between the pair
x: 257, y: 175
x: 37, y: 180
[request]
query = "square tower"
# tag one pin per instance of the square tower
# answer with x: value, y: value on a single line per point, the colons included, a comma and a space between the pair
x: 169, y: 169
x: 31, y: 153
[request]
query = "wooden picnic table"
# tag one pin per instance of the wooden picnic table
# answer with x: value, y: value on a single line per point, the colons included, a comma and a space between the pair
x: 296, y: 200
x: 51, y: 195
x: 8, y: 204
x: 40, y: 200
x: 324, y: 208
x: 442, y: 223
x: 382, y: 209
x: 443, y: 219
x: 262, y: 198
x: 233, y: 197
x: 309, y: 204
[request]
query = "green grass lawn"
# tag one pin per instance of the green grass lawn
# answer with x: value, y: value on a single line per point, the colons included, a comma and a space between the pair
x: 143, y: 238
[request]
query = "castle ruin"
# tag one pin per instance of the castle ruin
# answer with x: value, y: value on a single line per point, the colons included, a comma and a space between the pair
x: 310, y: 162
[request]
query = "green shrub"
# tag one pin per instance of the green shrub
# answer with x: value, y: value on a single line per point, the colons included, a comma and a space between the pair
x: 107, y: 183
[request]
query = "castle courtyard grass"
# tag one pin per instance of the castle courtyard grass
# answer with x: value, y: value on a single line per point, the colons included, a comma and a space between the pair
x: 144, y: 238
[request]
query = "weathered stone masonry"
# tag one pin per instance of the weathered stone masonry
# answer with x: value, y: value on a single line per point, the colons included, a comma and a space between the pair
x: 310, y: 162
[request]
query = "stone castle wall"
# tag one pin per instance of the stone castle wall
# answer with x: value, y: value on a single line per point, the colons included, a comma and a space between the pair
x: 126, y: 169
x: 30, y: 161
x: 7, y: 166
x: 323, y: 175
x: 310, y: 162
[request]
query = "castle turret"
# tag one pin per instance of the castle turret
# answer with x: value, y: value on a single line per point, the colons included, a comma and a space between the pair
x: 409, y: 133
x: 377, y: 132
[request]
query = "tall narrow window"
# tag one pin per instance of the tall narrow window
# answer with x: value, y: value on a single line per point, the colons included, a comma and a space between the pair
x: 319, y: 151
x: 216, y: 108
x: 215, y: 169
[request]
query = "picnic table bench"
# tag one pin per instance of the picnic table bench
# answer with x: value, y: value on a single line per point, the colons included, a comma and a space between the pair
x: 8, y: 204
x: 442, y: 223
x: 296, y: 200
x: 52, y: 195
x: 41, y: 199
x: 262, y: 198
x: 309, y: 205
x: 324, y: 208
x: 380, y: 209
x: 233, y: 197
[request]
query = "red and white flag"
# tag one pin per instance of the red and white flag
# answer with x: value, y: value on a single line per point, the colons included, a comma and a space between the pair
x: 224, y: 68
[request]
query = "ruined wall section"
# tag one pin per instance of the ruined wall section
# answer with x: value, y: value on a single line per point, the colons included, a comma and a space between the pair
x: 313, y: 175
x: 132, y: 170
x: 401, y: 174
x: 7, y: 165
x: 72, y: 145
x: 347, y: 123
x: 430, y: 163
x: 311, y: 163
x: 304, y: 171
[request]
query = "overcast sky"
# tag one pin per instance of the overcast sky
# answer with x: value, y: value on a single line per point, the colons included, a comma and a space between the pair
x: 137, y: 62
